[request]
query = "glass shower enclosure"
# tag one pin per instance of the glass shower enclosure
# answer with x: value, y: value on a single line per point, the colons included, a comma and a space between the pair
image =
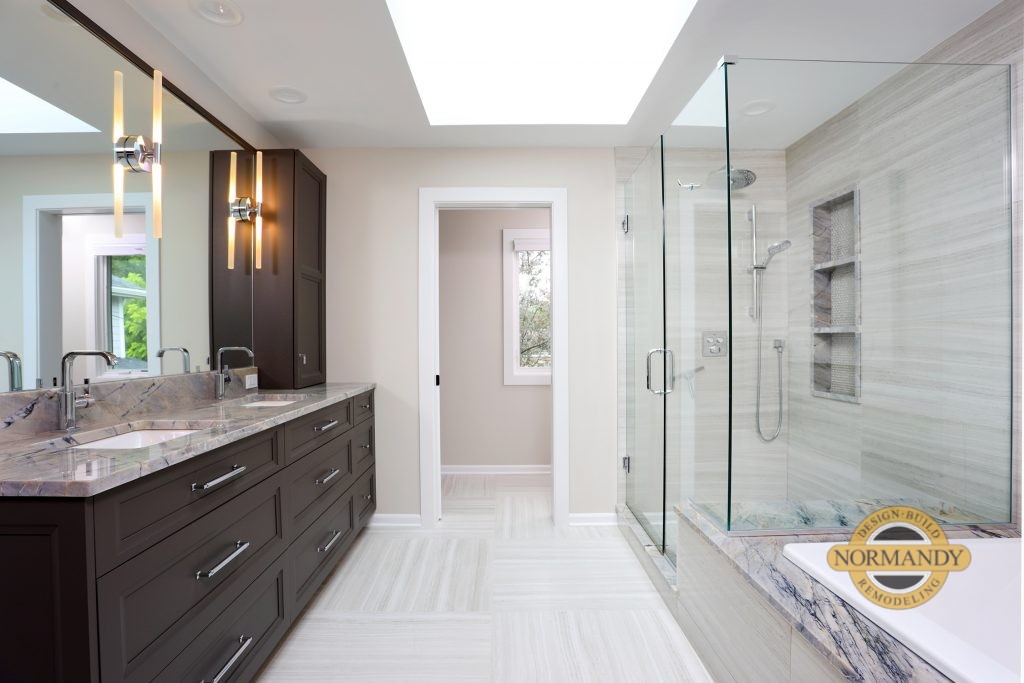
x: 816, y: 314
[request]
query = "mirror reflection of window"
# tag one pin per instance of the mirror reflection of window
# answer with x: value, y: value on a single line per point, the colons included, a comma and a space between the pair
x: 125, y: 315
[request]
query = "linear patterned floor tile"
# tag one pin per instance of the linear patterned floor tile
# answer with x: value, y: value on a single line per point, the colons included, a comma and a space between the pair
x: 576, y: 574
x: 493, y: 593
x: 384, y: 647
x: 392, y: 573
x: 591, y: 646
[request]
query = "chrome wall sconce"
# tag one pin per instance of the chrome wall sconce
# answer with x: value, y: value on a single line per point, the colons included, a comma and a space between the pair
x: 247, y: 210
x: 135, y: 154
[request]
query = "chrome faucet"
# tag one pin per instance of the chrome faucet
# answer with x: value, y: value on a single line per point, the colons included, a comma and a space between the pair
x: 184, y: 355
x: 13, y: 370
x: 222, y: 378
x: 69, y: 400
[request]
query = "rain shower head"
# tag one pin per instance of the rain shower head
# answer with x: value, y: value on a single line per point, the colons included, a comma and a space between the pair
x: 738, y: 178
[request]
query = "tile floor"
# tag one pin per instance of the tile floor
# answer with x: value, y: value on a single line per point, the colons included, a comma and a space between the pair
x: 496, y: 593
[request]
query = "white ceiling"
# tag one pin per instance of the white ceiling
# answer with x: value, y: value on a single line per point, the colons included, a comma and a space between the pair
x: 346, y: 56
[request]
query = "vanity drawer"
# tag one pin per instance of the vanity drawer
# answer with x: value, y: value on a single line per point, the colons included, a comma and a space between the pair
x: 364, y: 494
x: 151, y: 607
x: 311, y: 431
x: 240, y: 639
x: 363, y: 447
x: 362, y: 406
x: 317, y: 550
x: 317, y: 479
x: 134, y: 517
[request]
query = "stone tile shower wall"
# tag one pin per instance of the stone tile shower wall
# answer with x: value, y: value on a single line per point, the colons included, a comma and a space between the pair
x: 933, y: 420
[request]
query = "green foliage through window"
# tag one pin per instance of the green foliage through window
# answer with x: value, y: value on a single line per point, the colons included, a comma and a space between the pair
x: 534, y: 309
x: 131, y: 270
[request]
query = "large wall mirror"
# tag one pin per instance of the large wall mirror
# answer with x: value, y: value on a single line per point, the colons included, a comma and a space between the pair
x: 68, y: 282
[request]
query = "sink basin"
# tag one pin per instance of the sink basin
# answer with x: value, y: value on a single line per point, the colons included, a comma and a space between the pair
x: 271, y: 400
x: 139, y: 438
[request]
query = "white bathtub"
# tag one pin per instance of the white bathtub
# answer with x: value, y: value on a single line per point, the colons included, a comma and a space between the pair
x: 970, y: 631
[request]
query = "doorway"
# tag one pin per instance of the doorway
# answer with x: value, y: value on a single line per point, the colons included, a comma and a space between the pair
x: 494, y: 274
x: 432, y: 202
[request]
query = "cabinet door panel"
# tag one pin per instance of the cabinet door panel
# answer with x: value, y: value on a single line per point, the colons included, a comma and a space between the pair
x: 309, y: 332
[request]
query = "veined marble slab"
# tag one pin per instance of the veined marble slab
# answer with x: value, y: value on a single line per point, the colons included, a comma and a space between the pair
x: 60, y: 464
x: 861, y: 650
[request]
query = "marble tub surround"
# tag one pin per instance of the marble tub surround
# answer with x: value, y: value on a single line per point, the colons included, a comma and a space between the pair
x: 57, y: 464
x: 31, y: 414
x: 853, y: 645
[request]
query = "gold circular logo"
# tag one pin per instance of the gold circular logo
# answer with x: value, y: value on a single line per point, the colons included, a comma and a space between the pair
x: 898, y: 557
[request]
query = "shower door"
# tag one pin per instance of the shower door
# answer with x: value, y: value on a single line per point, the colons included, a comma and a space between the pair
x: 645, y: 469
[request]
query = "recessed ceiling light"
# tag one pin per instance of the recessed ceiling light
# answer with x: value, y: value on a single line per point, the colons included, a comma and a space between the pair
x: 23, y: 112
x: 535, y: 61
x: 223, y: 12
x: 288, y: 95
x: 757, y: 107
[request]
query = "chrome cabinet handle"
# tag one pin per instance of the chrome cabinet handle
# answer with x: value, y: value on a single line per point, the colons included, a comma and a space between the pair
x: 326, y: 426
x: 330, y: 543
x: 240, y: 547
x: 331, y: 475
x: 364, y: 405
x: 366, y: 446
x: 222, y: 674
x: 368, y: 496
x: 235, y: 471
x: 303, y: 357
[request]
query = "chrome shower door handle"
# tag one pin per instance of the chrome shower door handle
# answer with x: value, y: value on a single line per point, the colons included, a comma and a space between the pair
x: 665, y: 390
x: 670, y: 372
x: 649, y: 355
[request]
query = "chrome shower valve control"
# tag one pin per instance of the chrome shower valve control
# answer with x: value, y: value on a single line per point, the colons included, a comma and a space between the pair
x: 714, y: 344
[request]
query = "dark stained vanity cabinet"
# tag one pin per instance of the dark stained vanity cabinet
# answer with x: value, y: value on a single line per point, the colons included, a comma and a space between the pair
x: 161, y: 579
x: 289, y: 290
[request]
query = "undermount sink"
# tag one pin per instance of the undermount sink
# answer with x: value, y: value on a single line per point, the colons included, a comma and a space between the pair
x: 140, y: 438
x: 272, y: 400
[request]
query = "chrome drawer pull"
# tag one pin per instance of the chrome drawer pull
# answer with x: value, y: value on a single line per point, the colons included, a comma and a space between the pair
x: 326, y: 426
x: 330, y: 543
x: 323, y: 480
x: 364, y: 405
x: 368, y: 496
x: 235, y: 471
x: 222, y: 674
x: 366, y: 446
x: 240, y: 547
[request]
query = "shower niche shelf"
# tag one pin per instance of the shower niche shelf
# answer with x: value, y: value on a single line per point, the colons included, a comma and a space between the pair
x: 835, y: 287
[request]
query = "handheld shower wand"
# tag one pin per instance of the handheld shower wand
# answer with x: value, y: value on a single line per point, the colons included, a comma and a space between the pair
x: 757, y: 271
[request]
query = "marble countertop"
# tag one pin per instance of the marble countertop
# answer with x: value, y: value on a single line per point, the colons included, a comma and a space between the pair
x: 58, y: 464
x: 854, y: 644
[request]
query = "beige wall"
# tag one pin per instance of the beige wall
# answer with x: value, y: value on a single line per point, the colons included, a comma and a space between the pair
x: 373, y: 199
x: 483, y: 421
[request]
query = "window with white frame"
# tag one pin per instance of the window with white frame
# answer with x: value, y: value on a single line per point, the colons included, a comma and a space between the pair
x: 526, y: 266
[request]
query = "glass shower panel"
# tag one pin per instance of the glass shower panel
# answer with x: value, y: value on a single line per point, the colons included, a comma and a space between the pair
x: 872, y: 337
x: 696, y: 306
x: 645, y: 478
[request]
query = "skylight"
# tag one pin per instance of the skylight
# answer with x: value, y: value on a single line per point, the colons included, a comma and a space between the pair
x: 485, y: 62
x: 23, y: 112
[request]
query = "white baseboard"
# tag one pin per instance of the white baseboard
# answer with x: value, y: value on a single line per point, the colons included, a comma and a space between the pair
x: 495, y: 469
x: 380, y: 521
x: 593, y: 519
